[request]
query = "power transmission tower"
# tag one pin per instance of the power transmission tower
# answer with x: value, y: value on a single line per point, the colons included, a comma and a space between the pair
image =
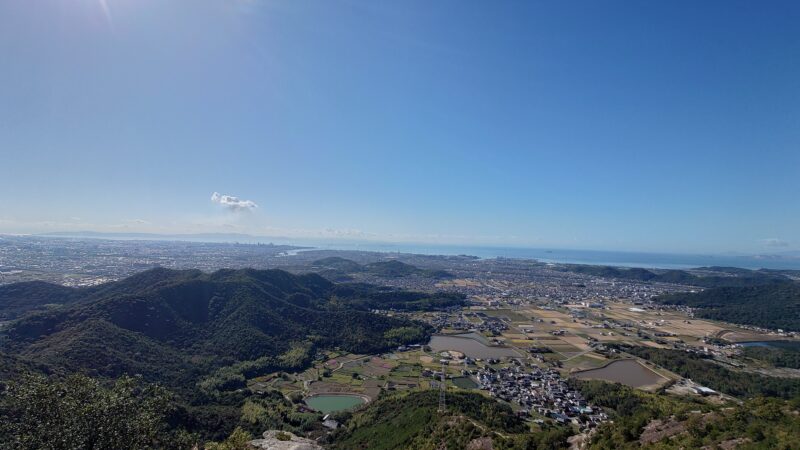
x: 442, y: 389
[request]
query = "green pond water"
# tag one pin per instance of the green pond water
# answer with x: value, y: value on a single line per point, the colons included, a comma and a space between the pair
x: 332, y: 403
x: 465, y: 383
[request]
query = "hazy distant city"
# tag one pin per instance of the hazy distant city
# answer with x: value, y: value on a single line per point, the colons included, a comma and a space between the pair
x: 88, y: 262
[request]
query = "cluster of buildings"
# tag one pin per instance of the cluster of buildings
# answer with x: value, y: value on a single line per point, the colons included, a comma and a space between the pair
x: 88, y: 262
x: 457, y: 320
x: 492, y: 325
x: 540, y: 392
x: 513, y: 281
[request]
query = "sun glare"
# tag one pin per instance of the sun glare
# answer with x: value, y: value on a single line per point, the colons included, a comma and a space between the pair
x: 106, y: 12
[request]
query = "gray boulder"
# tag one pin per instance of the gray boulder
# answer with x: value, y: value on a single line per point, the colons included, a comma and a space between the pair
x: 283, y: 440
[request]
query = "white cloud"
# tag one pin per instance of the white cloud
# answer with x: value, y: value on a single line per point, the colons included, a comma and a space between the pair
x: 135, y: 222
x: 775, y: 242
x: 331, y: 232
x: 233, y: 203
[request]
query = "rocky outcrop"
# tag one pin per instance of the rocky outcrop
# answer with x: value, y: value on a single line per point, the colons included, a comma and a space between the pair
x: 484, y: 443
x: 283, y: 440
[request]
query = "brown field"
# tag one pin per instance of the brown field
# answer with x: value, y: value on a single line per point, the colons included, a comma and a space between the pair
x: 377, y: 367
x: 509, y: 315
x: 653, y: 344
x: 514, y: 336
x: 584, y: 362
x: 690, y: 330
x: 576, y: 342
x: 736, y: 335
x: 549, y: 314
x: 459, y: 283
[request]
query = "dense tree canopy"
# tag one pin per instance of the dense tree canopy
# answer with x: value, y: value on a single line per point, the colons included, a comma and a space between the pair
x: 202, y: 335
x: 411, y: 421
x: 682, y: 422
x: 711, y: 278
x: 40, y: 413
x: 770, y: 306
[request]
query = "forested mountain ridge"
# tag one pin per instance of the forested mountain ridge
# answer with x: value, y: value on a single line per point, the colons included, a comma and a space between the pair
x: 174, y: 326
x: 775, y: 306
x: 19, y: 298
x: 339, y: 268
x: 710, y: 277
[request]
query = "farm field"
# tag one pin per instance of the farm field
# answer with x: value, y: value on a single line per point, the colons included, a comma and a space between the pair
x: 565, y: 338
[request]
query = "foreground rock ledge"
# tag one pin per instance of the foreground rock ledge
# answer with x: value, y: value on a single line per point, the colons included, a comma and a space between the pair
x: 283, y: 440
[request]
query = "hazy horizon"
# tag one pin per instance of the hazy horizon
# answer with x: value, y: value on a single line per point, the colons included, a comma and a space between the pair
x: 660, y: 127
x: 785, y: 258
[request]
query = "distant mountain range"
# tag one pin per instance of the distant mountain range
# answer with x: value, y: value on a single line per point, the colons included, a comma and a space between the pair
x: 707, y: 277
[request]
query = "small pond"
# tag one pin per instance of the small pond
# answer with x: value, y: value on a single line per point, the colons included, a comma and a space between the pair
x: 626, y: 371
x: 335, y: 402
x: 470, y: 347
x: 465, y: 383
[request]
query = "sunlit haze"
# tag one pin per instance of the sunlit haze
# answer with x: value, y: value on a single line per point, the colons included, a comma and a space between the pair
x: 639, y: 126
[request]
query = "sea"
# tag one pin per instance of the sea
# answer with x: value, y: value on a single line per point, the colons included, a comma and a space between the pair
x: 572, y: 256
x: 780, y: 261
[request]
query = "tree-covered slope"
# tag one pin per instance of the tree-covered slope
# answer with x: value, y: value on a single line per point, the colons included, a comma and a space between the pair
x: 18, y: 298
x: 338, y: 268
x: 770, y: 306
x: 711, y: 278
x: 337, y: 263
x: 365, y: 296
x: 398, y: 269
x: 663, y: 421
x: 40, y: 413
x: 173, y: 326
x: 411, y: 421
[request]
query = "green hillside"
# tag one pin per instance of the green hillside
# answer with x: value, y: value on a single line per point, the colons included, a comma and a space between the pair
x: 770, y: 306
x: 664, y: 421
x: 337, y: 263
x: 20, y: 298
x: 201, y: 335
x: 721, y: 277
x: 338, y: 268
x: 411, y: 421
x: 173, y: 326
x: 397, y: 269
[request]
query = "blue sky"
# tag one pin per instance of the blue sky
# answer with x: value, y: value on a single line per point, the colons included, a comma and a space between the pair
x: 651, y: 126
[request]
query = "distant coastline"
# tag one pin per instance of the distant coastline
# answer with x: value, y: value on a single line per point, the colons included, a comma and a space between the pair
x: 651, y: 260
x: 589, y: 257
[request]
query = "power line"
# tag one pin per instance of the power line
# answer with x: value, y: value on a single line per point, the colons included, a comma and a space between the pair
x: 443, y: 389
